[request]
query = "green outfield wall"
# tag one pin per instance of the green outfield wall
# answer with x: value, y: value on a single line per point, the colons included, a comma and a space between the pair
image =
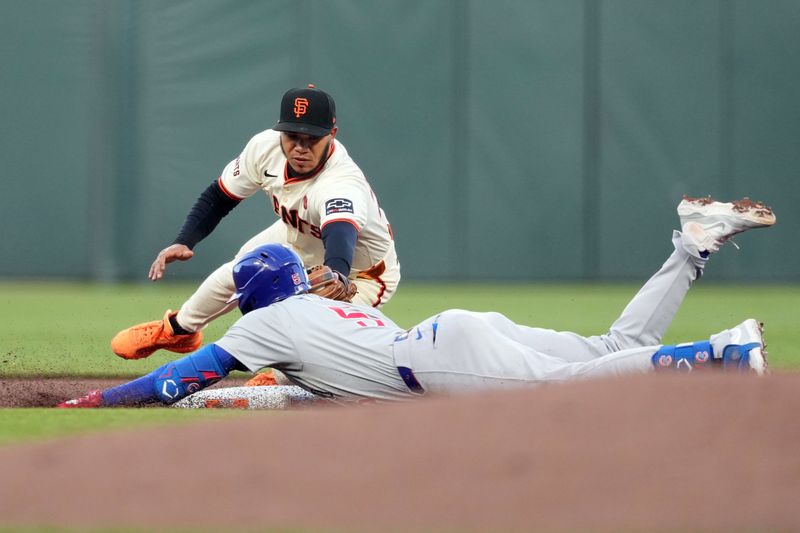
x: 530, y: 140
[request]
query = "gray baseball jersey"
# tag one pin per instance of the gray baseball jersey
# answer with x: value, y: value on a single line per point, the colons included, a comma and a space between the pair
x: 352, y: 352
x: 331, y: 348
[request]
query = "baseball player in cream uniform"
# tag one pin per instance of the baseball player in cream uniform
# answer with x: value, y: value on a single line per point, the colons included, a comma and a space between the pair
x: 327, y: 213
x: 340, y: 193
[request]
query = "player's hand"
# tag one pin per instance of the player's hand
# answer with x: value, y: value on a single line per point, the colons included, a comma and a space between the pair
x: 174, y: 252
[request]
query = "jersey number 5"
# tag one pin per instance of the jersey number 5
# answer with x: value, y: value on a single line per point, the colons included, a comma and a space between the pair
x: 358, y: 316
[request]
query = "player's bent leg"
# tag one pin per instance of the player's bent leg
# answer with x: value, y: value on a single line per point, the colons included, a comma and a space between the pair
x: 643, y: 322
x: 458, y: 351
x: 564, y: 345
x: 706, y: 225
x: 168, y: 383
x: 647, y: 316
x: 182, y: 333
x: 375, y: 289
x: 636, y: 360
x: 141, y: 340
x: 276, y: 233
x: 370, y: 292
x: 210, y: 300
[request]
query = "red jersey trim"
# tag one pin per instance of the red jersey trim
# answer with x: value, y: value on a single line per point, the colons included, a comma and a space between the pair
x: 380, y: 293
x: 228, y: 193
x: 348, y: 220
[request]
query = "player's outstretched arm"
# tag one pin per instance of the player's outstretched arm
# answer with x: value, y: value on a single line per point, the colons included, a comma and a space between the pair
x: 166, y: 384
x: 173, y: 252
x: 211, y: 207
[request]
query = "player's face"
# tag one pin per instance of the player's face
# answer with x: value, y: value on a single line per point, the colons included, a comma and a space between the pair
x: 305, y: 152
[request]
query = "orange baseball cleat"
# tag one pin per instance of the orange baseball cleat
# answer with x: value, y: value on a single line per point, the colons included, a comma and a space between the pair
x: 264, y: 379
x: 141, y: 340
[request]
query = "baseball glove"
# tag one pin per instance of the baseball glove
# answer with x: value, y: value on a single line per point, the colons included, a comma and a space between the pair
x: 330, y: 284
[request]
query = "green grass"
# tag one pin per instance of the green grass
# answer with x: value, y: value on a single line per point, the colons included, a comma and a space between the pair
x: 65, y: 328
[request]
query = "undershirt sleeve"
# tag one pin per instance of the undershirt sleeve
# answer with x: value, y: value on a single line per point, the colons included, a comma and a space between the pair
x: 211, y: 207
x: 339, y: 239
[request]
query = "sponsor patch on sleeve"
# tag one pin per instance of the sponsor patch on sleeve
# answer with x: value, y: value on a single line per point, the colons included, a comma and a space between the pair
x: 338, y: 205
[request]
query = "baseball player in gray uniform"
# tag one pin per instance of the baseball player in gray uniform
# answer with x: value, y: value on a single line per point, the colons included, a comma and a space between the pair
x: 327, y: 213
x: 351, y: 352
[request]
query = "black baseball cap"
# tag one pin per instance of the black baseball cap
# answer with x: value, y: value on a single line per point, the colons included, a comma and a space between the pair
x: 307, y: 110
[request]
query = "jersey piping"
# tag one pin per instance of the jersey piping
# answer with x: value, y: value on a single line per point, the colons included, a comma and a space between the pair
x: 348, y: 220
x: 228, y: 193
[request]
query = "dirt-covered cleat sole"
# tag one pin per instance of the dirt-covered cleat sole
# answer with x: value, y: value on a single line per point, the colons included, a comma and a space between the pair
x: 709, y: 224
x: 93, y: 399
x: 141, y: 340
x: 742, y: 348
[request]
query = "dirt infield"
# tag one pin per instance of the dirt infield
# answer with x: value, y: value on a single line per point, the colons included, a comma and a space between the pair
x: 21, y: 392
x: 47, y: 392
x: 655, y: 453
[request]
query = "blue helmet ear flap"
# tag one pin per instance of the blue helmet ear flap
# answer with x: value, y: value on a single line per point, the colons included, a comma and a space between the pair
x: 268, y: 274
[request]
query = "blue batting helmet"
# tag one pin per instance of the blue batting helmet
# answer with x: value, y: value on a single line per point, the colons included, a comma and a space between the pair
x: 268, y: 274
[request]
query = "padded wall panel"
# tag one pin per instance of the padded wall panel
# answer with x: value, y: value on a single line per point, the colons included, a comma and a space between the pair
x: 660, y: 130
x: 48, y: 84
x: 522, y: 196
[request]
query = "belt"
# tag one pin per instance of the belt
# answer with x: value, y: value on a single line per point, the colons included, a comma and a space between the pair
x: 411, y: 380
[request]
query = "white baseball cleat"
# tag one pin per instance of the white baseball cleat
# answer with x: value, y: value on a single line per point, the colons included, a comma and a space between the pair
x: 742, y: 348
x: 707, y: 224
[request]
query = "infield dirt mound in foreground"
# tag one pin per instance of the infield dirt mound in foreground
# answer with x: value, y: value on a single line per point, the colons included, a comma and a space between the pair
x: 649, y: 453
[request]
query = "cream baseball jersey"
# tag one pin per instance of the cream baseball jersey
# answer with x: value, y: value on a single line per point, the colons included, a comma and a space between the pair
x: 338, y: 192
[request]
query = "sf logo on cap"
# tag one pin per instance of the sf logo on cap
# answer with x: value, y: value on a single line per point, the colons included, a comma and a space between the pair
x: 300, y: 106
